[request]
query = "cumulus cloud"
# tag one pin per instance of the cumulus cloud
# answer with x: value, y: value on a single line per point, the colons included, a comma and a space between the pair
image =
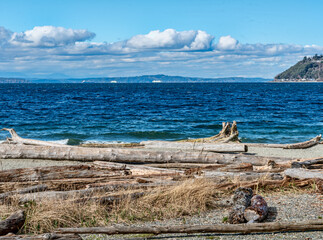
x: 171, y: 39
x: 50, y: 36
x: 227, y: 43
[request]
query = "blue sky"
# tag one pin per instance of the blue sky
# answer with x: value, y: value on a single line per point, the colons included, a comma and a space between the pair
x: 123, y: 38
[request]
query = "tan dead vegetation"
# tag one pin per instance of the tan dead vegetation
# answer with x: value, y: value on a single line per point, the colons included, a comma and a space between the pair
x: 189, y: 197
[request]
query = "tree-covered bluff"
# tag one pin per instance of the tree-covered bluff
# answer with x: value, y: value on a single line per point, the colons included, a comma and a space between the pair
x: 310, y: 69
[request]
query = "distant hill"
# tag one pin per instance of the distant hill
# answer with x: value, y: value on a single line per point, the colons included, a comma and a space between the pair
x: 13, y: 80
x: 308, y: 70
x: 152, y: 79
x: 136, y: 79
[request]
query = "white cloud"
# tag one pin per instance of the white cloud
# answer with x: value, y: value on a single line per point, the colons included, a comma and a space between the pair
x: 171, y: 39
x: 50, y: 36
x: 227, y: 43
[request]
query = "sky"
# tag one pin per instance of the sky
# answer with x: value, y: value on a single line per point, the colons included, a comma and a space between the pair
x: 197, y: 38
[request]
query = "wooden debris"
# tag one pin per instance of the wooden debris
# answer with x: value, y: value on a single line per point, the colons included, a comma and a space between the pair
x: 210, y: 147
x: 47, y: 236
x: 309, y: 225
x: 229, y: 133
x: 307, y: 144
x: 125, y: 155
x: 13, y: 223
x: 257, y: 211
x: 55, y: 172
x: 309, y: 164
x: 241, y: 200
x: 135, y: 169
x: 300, y: 173
x: 16, y: 139
x: 32, y: 189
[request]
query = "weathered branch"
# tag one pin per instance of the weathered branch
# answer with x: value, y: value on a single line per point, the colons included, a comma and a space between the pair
x: 16, y: 139
x: 32, y: 189
x: 309, y: 225
x: 302, y: 145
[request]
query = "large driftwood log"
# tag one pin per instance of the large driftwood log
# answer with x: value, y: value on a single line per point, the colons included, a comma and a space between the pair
x: 47, y: 236
x: 307, y: 144
x: 211, y: 147
x: 309, y: 225
x: 135, y: 169
x: 32, y: 189
x: 125, y: 155
x: 229, y: 133
x: 13, y: 223
x: 300, y: 173
x: 55, y: 172
x: 241, y: 200
x: 16, y: 139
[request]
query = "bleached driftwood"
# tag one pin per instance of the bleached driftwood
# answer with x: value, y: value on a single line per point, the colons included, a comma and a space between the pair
x: 135, y: 169
x: 301, y: 173
x: 307, y: 144
x: 126, y: 155
x: 32, y: 189
x: 309, y: 225
x: 16, y: 139
x: 211, y: 147
x: 55, y: 172
x: 47, y: 236
x: 229, y: 133
x: 13, y: 223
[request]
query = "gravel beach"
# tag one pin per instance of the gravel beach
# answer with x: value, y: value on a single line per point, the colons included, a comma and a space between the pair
x: 283, y: 207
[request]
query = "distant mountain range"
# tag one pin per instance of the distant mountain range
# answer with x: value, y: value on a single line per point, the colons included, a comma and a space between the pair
x: 137, y: 79
x: 310, y: 69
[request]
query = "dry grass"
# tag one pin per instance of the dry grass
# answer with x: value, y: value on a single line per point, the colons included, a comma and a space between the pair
x: 187, y: 198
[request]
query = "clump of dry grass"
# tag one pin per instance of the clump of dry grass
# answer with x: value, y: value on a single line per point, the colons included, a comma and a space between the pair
x: 188, y: 198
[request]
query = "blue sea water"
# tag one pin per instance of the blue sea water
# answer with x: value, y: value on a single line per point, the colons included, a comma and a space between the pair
x: 265, y: 112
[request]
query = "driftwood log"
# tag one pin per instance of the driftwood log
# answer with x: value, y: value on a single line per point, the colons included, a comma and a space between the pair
x: 309, y: 225
x: 56, y: 172
x: 211, y: 147
x: 309, y: 164
x: 257, y: 211
x: 13, y: 223
x: 241, y: 200
x: 16, y: 139
x: 307, y: 144
x: 32, y: 189
x: 47, y: 236
x: 229, y: 133
x: 301, y: 173
x: 125, y: 155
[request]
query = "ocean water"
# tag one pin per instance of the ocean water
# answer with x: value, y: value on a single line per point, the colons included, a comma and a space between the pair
x: 77, y: 113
